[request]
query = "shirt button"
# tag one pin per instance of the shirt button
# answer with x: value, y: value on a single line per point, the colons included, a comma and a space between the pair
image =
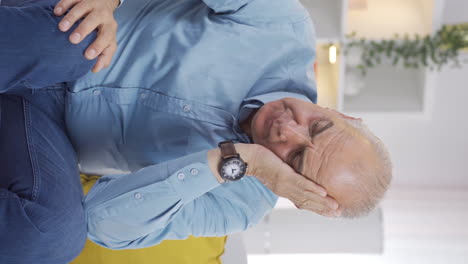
x: 186, y: 108
x: 194, y: 171
x: 143, y: 96
x: 137, y: 195
x: 97, y: 92
x: 181, y: 176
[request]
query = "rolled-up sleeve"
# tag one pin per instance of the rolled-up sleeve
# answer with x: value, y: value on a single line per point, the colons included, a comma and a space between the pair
x: 171, y: 200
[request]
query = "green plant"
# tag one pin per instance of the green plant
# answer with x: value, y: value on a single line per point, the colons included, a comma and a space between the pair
x: 431, y: 51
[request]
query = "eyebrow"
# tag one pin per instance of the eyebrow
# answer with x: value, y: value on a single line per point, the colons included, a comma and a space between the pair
x: 323, y: 129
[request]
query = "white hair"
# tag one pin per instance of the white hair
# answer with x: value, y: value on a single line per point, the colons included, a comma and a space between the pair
x: 375, y: 180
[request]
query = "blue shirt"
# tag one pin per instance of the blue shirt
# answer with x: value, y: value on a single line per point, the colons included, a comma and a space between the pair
x: 185, y: 74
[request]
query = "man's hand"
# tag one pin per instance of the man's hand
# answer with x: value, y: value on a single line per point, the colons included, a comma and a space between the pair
x: 97, y: 14
x: 280, y: 178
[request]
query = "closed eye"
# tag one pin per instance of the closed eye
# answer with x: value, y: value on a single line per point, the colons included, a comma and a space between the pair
x: 296, y: 159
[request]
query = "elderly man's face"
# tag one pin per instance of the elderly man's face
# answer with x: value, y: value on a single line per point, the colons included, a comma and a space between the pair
x: 315, y: 141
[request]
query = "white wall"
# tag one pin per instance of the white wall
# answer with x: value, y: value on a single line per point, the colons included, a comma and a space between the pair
x: 433, y: 153
x: 456, y: 11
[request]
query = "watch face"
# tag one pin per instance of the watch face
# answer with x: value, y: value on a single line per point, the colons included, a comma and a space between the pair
x: 233, y: 169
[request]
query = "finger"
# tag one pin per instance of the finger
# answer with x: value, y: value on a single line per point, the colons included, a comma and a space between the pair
x: 107, y: 54
x: 105, y: 38
x: 318, y: 207
x: 313, y: 187
x: 98, y: 66
x: 330, y: 202
x: 63, y: 6
x: 76, y: 13
x: 331, y: 213
x: 308, y: 199
x: 90, y: 23
x: 312, y: 206
x: 104, y: 59
x: 309, y: 185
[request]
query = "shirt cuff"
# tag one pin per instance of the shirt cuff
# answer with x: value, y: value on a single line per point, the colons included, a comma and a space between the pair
x: 194, y: 180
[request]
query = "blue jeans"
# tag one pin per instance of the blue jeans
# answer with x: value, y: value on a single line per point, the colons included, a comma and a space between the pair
x: 41, y: 214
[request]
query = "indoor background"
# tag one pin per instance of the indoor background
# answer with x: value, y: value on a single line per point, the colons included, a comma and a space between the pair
x: 421, y: 116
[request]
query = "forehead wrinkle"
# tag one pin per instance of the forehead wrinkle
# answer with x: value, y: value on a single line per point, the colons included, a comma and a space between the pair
x: 329, y: 151
x: 329, y: 125
x: 316, y: 153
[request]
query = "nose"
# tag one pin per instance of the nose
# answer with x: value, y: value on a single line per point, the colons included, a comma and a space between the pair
x: 289, y: 131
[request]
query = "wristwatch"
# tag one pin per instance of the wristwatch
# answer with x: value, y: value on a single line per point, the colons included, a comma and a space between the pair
x: 232, y: 167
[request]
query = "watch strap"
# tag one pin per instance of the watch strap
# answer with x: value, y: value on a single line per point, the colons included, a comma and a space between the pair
x: 227, y: 149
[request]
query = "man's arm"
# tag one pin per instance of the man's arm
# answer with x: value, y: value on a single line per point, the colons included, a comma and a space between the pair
x: 139, y: 209
x: 143, y: 208
x: 99, y: 15
x: 33, y: 52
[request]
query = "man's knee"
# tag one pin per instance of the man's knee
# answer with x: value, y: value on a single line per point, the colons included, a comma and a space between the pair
x: 47, y: 60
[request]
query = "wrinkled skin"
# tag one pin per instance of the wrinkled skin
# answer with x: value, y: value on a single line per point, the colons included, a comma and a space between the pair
x: 331, y: 148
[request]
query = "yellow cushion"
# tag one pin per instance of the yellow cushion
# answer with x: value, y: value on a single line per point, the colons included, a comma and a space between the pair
x: 194, y: 250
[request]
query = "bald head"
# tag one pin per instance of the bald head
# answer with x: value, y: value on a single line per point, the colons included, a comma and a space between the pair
x: 370, y: 173
x: 355, y: 169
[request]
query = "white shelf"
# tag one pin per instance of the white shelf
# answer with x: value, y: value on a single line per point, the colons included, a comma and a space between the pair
x: 387, y: 89
x: 312, y: 233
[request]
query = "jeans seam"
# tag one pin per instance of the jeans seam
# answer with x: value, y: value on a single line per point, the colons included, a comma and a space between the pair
x: 32, y: 156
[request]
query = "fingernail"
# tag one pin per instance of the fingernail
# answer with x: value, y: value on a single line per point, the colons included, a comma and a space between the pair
x: 75, y: 37
x: 337, y: 213
x: 65, y: 24
x: 58, y: 10
x: 91, y: 53
x: 323, y: 193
